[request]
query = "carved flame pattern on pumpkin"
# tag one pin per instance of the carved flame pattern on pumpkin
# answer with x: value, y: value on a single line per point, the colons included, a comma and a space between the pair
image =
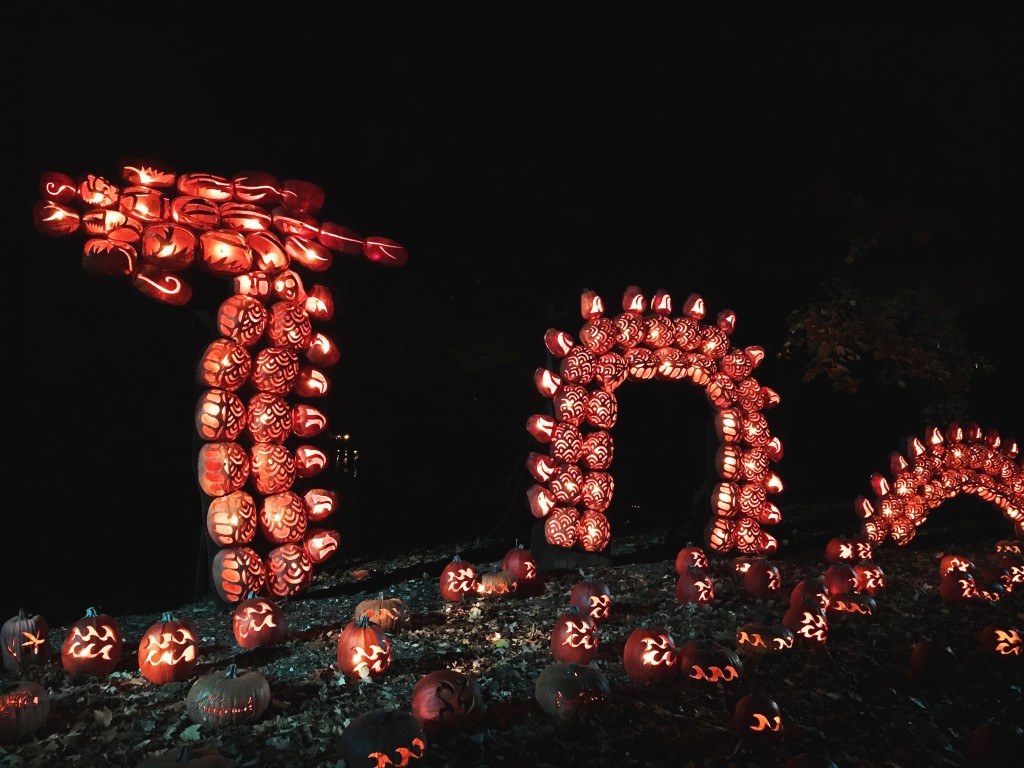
x: 169, y: 648
x: 942, y: 465
x: 651, y: 343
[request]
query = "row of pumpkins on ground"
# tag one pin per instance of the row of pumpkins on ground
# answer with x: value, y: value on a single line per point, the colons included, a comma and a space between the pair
x: 445, y: 700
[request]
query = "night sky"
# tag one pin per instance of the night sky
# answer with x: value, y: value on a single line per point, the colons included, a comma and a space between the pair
x: 733, y: 165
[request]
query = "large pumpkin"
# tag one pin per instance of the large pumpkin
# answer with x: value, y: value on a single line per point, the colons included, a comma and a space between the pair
x: 257, y: 622
x: 706, y: 661
x: 570, y: 691
x: 383, y: 737
x: 93, y: 645
x: 574, y: 638
x: 446, y: 701
x: 650, y: 654
x: 25, y: 642
x: 169, y: 650
x: 391, y: 613
x: 24, y: 707
x: 364, y: 650
x: 458, y: 579
x: 231, y: 697
x: 593, y: 597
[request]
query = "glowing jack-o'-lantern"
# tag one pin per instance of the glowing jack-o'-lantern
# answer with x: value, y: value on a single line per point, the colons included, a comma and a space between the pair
x: 321, y: 544
x: 232, y: 520
x: 272, y: 468
x: 268, y: 418
x: 1002, y: 641
x: 958, y: 587
x: 24, y: 709
x: 762, y: 638
x: 593, y: 598
x: 650, y: 654
x: 757, y: 718
x: 694, y: 585
x: 496, y: 582
x: 220, y: 415
x: 520, y: 563
x: 224, y: 364
x: 810, y: 591
x: 458, y: 579
x: 840, y: 579
x: 289, y: 570
x: 283, y: 518
x: 390, y: 613
x: 232, y: 697
x: 169, y: 650
x: 237, y: 571
x: 275, y: 370
x: 569, y: 692
x: 364, y: 650
x: 574, y: 638
x: 706, y: 661
x: 847, y: 549
x: 870, y: 577
x: 593, y: 530
x: 93, y: 646
x: 25, y: 642
x: 223, y: 468
x: 857, y: 604
x: 690, y: 556
x: 320, y: 503
x: 447, y: 701
x: 257, y: 622
x: 762, y: 580
x: 808, y: 623
x: 383, y: 737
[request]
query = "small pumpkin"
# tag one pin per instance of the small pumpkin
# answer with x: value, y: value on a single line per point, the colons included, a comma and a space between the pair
x: 520, y: 563
x: 497, y: 582
x: 593, y: 597
x: 650, y: 654
x: 231, y: 697
x: 169, y: 650
x: 192, y: 757
x: 458, y: 579
x: 391, y: 613
x: 446, y: 701
x: 24, y: 708
x: 574, y: 638
x: 383, y: 737
x: 364, y: 650
x: 93, y: 645
x: 707, y: 661
x: 25, y: 642
x: 570, y: 691
x: 757, y: 719
x: 257, y: 622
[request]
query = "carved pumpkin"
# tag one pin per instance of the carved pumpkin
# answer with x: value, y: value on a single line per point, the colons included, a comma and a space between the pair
x: 232, y: 520
x: 1001, y: 641
x: 232, y: 697
x: 870, y: 577
x: 650, y: 654
x: 93, y: 645
x: 25, y: 642
x: 953, y: 562
x: 570, y: 691
x: 574, y: 638
x: 169, y: 650
x: 593, y: 597
x: 849, y: 550
x: 289, y: 570
x: 445, y: 701
x: 812, y: 591
x: 757, y: 719
x: 320, y: 544
x: 458, y: 579
x: 762, y: 638
x: 237, y: 571
x: 690, y: 556
x: 257, y: 622
x: 383, y: 737
x: 364, y: 650
x: 762, y: 580
x: 392, y: 614
x: 808, y: 623
x: 958, y: 587
x: 24, y: 708
x: 694, y: 586
x: 856, y: 604
x: 187, y: 756
x: 496, y: 583
x: 840, y: 579
x: 520, y: 563
x: 706, y: 661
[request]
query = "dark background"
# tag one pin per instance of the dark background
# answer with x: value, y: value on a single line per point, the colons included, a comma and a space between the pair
x: 730, y: 164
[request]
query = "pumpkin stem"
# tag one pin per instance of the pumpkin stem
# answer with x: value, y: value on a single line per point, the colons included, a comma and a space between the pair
x: 90, y: 613
x: 166, y: 616
x: 231, y: 671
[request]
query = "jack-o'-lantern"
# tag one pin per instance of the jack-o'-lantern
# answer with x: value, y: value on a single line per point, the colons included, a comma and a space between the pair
x: 283, y: 518
x: 25, y: 642
x: 708, y: 662
x: 289, y: 570
x: 840, y: 579
x: 391, y: 613
x: 320, y: 544
x: 242, y: 319
x: 762, y: 580
x: 808, y: 623
x: 855, y: 603
x: 593, y: 531
x: 219, y: 415
x: 224, y: 364
x: 232, y: 697
x: 847, y: 549
x: 321, y: 503
x: 1012, y: 562
x: 24, y: 709
x: 764, y: 638
x: 560, y: 527
x: 275, y: 370
x: 257, y: 622
x: 232, y: 519
x: 757, y: 719
x: 268, y: 418
x: 694, y: 585
x: 574, y: 638
x: 383, y: 737
x: 446, y: 701
x: 169, y: 650
x: 458, y: 579
x: 364, y: 650
x: 810, y: 591
x: 1001, y: 641
x: 958, y: 587
x: 520, y: 563
x: 593, y: 597
x: 93, y: 645
x: 870, y: 577
x: 650, y: 654
x: 953, y: 562
x: 223, y: 467
x: 272, y: 467
x: 691, y: 555
x: 236, y: 571
x: 496, y: 582
x: 569, y: 692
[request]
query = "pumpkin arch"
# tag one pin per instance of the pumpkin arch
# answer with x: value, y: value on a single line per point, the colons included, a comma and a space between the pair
x: 942, y: 465
x: 574, y: 487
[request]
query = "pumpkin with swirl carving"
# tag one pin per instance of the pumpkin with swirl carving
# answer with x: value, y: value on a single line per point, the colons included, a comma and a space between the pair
x: 447, y: 701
